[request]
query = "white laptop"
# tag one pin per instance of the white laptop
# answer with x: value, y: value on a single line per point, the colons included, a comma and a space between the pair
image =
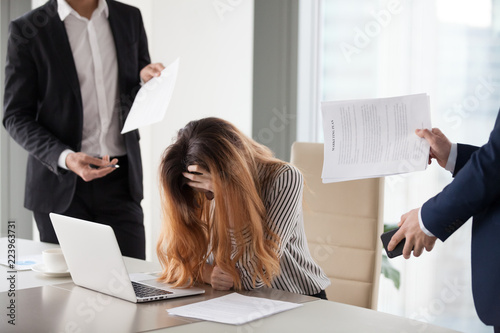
x: 95, y: 262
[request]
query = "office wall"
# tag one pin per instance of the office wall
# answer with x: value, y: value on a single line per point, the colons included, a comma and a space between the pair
x: 214, y: 41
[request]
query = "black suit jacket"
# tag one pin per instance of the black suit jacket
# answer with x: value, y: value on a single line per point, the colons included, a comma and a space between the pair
x: 475, y: 191
x: 43, y: 105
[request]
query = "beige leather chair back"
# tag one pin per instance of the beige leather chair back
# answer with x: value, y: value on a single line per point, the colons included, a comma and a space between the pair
x: 343, y: 223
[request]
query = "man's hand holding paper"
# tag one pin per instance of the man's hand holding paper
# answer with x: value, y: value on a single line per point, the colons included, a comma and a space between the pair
x: 440, y: 145
x: 374, y: 137
x: 152, y: 100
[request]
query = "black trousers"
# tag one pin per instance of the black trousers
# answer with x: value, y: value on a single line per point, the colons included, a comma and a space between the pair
x: 105, y: 200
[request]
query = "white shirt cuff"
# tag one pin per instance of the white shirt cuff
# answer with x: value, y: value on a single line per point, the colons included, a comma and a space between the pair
x: 424, y: 229
x: 61, y: 162
x: 452, y: 159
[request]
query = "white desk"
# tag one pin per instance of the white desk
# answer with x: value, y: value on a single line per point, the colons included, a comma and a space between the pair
x: 57, y: 305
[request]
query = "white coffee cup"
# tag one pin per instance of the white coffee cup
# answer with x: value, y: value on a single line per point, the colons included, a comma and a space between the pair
x: 54, y: 260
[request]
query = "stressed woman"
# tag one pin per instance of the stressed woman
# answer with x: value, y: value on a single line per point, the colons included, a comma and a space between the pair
x: 232, y: 214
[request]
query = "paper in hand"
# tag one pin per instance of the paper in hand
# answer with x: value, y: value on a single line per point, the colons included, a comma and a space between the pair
x: 152, y: 100
x: 371, y: 138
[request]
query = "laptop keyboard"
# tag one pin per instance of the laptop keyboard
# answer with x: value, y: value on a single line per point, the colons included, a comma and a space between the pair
x: 142, y: 290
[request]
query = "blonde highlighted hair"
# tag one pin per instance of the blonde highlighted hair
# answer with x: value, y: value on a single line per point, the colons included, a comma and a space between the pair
x: 234, y: 224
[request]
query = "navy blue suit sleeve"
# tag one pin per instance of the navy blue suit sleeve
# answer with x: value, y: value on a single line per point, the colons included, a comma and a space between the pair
x: 464, y: 153
x: 474, y: 188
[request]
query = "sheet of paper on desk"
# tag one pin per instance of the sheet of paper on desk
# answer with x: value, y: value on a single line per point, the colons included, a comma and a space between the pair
x: 233, y: 309
x: 152, y: 100
x: 374, y: 137
x: 23, y: 263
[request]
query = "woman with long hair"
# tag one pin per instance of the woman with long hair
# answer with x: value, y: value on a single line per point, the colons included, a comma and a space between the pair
x: 232, y: 214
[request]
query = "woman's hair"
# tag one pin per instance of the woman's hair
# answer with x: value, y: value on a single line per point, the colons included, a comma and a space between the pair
x: 193, y: 227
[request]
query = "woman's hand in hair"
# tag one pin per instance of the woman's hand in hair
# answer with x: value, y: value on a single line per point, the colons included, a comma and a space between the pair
x: 221, y: 280
x: 200, y: 179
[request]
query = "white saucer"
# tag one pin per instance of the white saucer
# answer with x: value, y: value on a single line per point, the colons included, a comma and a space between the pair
x: 40, y: 268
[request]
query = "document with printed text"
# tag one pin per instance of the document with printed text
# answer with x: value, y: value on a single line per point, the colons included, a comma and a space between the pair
x: 152, y: 100
x: 233, y: 309
x: 371, y: 138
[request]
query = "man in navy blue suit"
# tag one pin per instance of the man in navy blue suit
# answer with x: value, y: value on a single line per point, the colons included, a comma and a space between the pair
x: 474, y: 192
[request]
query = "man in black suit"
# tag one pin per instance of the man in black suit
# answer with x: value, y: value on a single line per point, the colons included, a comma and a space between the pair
x: 73, y: 69
x: 474, y: 192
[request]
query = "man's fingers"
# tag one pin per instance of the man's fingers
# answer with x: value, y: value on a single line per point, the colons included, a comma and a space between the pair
x: 86, y: 159
x: 417, y: 251
x: 157, y: 68
x: 102, y: 163
x: 402, y: 220
x: 92, y: 160
x: 420, y: 132
x: 88, y: 167
x: 91, y: 174
x: 396, y: 238
x: 429, y: 245
x: 150, y: 71
x: 407, y: 249
x: 437, y: 131
x: 426, y: 134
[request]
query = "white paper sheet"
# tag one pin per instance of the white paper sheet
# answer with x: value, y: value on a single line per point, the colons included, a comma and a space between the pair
x: 374, y: 137
x: 152, y: 100
x: 23, y: 263
x: 233, y: 309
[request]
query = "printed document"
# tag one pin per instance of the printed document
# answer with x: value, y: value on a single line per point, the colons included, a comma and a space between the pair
x: 152, y: 100
x: 233, y: 309
x: 374, y: 137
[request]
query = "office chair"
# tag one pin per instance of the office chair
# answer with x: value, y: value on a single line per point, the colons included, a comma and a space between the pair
x: 343, y: 222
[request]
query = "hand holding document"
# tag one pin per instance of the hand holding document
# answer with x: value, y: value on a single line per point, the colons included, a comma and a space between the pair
x: 152, y: 100
x: 233, y: 309
x: 374, y: 137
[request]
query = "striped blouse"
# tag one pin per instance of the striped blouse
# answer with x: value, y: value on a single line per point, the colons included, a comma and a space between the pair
x: 283, y: 202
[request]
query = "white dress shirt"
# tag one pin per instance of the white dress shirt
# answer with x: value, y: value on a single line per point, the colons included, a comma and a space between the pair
x: 450, y: 166
x: 94, y: 53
